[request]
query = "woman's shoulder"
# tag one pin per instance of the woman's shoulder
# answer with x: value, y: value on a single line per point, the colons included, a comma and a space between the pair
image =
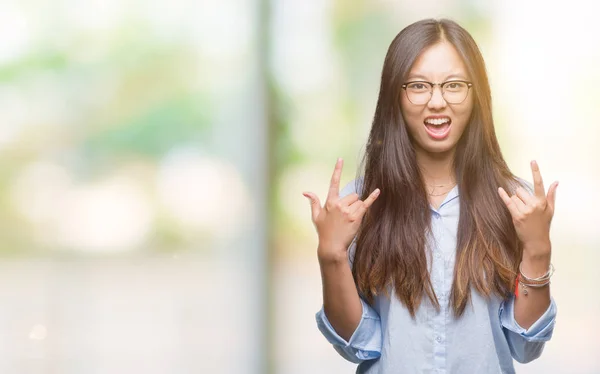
x: 525, y: 184
x: 354, y: 186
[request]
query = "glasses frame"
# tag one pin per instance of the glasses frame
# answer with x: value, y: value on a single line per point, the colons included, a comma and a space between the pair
x: 432, y: 84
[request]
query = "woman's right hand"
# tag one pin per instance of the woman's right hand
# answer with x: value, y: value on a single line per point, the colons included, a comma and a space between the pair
x: 339, y: 220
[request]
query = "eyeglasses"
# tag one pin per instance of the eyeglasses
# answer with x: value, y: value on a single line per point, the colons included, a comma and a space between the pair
x: 453, y: 92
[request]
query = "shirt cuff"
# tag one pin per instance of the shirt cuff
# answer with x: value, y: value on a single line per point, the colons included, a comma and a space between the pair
x: 540, y: 331
x: 365, y: 342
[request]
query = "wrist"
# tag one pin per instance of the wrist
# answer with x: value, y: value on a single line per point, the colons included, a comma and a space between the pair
x: 537, y: 250
x: 534, y: 266
x: 328, y: 256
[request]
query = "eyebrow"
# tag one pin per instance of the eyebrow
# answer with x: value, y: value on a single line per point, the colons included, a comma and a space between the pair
x: 423, y: 77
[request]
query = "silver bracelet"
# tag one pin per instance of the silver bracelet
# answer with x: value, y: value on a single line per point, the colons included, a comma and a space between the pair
x: 538, y: 282
x: 534, y: 285
x: 543, y: 278
x: 537, y: 285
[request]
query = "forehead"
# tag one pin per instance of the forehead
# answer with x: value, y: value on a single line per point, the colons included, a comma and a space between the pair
x: 437, y: 62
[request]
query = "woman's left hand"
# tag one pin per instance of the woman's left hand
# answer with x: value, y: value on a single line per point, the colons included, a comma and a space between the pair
x: 532, y: 214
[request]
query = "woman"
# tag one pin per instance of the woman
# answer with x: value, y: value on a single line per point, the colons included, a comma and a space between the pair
x: 438, y: 231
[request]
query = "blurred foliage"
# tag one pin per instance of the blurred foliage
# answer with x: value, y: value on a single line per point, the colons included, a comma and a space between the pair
x: 128, y: 97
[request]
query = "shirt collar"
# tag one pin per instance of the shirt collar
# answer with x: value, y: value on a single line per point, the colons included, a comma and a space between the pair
x: 452, y: 194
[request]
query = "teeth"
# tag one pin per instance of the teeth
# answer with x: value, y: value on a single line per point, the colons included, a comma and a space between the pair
x: 437, y: 121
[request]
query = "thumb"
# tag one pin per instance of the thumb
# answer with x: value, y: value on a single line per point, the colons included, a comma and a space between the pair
x: 551, y: 197
x: 315, y: 204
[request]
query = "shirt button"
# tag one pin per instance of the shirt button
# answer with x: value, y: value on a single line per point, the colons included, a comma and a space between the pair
x: 438, y: 255
x: 438, y: 339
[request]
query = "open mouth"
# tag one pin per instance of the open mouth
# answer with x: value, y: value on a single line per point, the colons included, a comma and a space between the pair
x: 438, y: 127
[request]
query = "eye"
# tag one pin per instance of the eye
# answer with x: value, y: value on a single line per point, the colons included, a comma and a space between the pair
x: 418, y: 87
x: 455, y: 86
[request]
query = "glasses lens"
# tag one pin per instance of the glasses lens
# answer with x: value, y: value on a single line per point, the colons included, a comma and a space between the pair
x: 418, y: 92
x: 455, y: 92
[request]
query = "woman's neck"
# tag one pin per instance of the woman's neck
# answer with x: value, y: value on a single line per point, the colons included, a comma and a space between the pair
x: 436, y: 168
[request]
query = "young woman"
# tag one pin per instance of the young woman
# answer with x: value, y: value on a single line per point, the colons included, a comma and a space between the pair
x: 437, y: 260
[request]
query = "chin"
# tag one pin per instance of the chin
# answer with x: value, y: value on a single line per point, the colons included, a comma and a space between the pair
x: 439, y: 148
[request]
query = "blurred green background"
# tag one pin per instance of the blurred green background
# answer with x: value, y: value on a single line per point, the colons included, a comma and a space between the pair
x: 153, y: 156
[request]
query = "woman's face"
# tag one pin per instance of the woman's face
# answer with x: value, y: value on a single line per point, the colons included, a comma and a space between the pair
x: 436, y: 126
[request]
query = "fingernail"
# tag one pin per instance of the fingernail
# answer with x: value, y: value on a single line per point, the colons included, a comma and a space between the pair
x: 377, y: 191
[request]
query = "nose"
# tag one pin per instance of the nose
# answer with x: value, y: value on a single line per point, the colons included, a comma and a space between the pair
x: 437, y: 101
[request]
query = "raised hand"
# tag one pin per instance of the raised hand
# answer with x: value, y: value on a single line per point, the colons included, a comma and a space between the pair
x: 532, y: 214
x: 338, y: 221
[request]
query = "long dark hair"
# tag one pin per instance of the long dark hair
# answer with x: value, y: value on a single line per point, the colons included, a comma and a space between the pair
x: 391, y: 243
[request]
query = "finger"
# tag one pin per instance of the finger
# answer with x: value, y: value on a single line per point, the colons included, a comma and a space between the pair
x: 355, y: 207
x: 519, y: 204
x: 315, y: 204
x: 538, y: 183
x: 334, y: 186
x: 525, y: 196
x: 372, y: 197
x: 552, y: 195
x: 349, y: 200
x: 510, y: 204
x: 359, y: 208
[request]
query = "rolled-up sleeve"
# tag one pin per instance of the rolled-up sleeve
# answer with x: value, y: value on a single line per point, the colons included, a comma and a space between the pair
x: 365, y: 342
x: 526, y: 344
